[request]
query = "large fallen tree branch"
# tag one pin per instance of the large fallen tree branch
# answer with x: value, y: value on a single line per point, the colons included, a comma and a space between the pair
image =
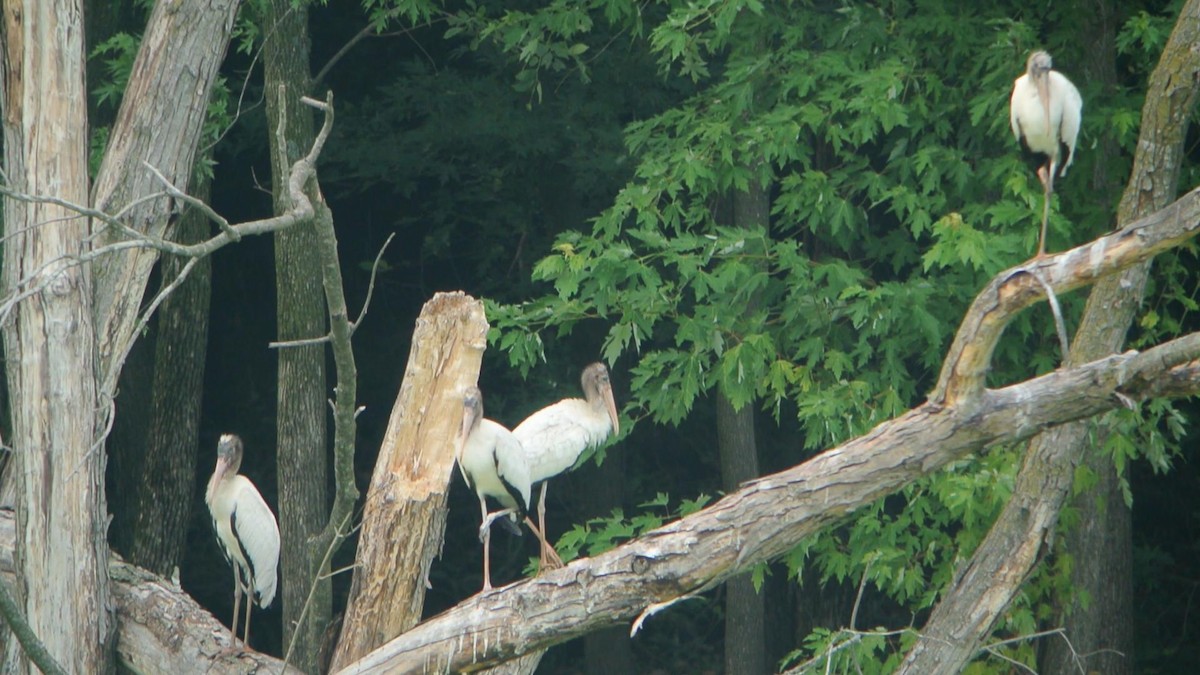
x: 768, y: 517
x: 160, y: 628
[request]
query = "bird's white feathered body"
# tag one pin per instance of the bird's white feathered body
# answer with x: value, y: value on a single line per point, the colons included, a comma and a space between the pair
x: 1049, y: 127
x: 555, y: 436
x: 494, y: 465
x: 248, y: 534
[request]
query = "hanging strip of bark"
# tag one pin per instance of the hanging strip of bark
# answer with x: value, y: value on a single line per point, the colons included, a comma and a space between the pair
x: 404, y: 519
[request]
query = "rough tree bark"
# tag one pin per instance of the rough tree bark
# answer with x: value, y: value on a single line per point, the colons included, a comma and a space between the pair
x: 300, y: 421
x: 50, y: 340
x: 769, y: 516
x: 162, y: 114
x: 167, y: 479
x: 984, y: 586
x: 404, y: 518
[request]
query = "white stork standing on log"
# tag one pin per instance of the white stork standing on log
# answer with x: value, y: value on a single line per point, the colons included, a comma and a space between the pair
x: 555, y: 436
x: 246, y: 530
x: 493, y: 464
x: 1045, y: 112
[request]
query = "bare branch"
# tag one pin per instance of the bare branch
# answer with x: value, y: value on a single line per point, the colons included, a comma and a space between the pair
x: 371, y: 286
x: 969, y: 359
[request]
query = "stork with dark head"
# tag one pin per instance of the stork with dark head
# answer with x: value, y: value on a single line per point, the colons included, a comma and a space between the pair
x: 493, y: 464
x: 555, y: 436
x: 1045, y: 111
x: 246, y: 530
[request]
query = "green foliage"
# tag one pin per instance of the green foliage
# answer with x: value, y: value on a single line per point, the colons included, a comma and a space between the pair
x: 879, y: 132
x: 845, y: 651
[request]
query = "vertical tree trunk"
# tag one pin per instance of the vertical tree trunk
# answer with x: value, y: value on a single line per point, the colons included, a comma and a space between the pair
x: 404, y: 519
x: 167, y: 479
x: 159, y: 124
x: 608, y: 650
x: 62, y: 552
x: 745, y: 641
x: 1101, y: 541
x: 745, y: 647
x: 300, y: 313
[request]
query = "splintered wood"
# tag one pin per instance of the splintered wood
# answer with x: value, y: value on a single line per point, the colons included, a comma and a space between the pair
x: 404, y: 519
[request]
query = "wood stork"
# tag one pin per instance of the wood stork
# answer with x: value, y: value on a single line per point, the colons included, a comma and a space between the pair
x: 493, y: 464
x: 1045, y: 112
x: 246, y: 530
x: 555, y: 436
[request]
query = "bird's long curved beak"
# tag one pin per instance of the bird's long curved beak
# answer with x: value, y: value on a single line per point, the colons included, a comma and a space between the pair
x: 610, y: 405
x: 218, y: 474
x: 464, y: 431
x: 1043, y: 89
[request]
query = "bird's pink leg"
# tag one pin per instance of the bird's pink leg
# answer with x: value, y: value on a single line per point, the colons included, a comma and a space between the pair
x: 487, y: 560
x: 1046, y: 176
x: 237, y: 601
x: 249, y: 606
x: 485, y: 536
x: 545, y: 544
x: 549, y: 557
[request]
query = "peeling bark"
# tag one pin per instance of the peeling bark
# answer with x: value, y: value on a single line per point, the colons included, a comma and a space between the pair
x: 50, y: 341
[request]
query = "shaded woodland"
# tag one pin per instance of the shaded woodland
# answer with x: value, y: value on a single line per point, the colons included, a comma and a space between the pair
x: 791, y: 231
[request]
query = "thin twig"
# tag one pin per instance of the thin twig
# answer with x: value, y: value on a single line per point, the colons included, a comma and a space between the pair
x: 371, y: 285
x: 317, y: 578
x: 366, y: 32
x: 862, y: 586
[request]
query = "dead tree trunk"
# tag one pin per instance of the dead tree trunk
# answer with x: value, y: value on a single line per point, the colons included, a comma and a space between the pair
x: 404, y: 518
x: 50, y: 339
x: 157, y: 129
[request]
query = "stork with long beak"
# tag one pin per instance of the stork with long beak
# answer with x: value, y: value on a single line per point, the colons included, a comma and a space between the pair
x: 246, y: 530
x: 555, y: 436
x: 1045, y: 111
x: 493, y: 464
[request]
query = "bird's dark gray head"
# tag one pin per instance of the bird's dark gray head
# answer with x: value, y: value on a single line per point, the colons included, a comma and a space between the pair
x: 229, y: 450
x: 1039, y: 63
x: 472, y: 412
x: 473, y: 401
x: 229, y: 461
x: 598, y: 390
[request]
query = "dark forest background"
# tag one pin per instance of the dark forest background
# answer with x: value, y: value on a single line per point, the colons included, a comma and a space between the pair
x: 510, y: 146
